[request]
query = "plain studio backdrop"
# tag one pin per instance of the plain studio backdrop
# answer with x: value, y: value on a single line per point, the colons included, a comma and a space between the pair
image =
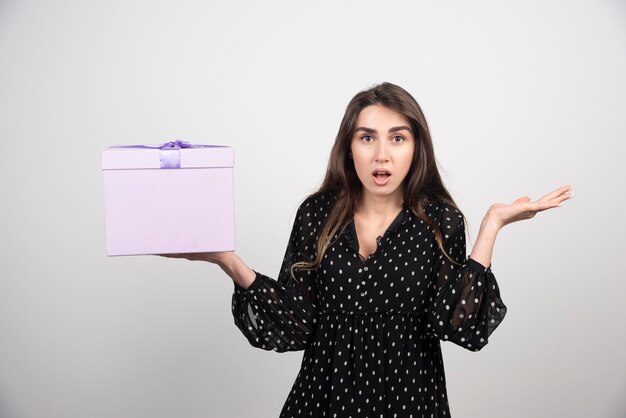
x: 521, y: 97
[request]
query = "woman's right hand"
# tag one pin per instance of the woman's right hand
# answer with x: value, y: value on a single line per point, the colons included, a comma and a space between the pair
x: 212, y: 257
x: 227, y: 260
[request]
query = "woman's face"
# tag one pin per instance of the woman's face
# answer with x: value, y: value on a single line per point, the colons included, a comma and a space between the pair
x: 382, y: 149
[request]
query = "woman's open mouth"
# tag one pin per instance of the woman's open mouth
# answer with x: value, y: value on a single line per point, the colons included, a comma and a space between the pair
x: 381, y: 176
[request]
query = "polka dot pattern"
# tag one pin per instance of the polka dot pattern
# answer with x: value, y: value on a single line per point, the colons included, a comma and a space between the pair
x: 371, y: 328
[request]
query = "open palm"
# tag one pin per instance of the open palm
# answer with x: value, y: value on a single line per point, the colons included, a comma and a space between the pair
x: 522, y: 208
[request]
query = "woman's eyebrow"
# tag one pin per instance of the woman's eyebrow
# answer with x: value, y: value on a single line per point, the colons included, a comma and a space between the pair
x: 373, y: 131
x: 364, y: 129
x: 400, y: 128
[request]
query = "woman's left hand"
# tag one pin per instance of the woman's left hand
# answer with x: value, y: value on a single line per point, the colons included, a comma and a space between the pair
x: 522, y: 208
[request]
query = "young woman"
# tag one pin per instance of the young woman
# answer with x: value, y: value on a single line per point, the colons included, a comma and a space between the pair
x: 375, y: 273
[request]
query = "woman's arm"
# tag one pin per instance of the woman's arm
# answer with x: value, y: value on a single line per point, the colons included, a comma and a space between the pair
x: 280, y: 314
x: 500, y: 214
x: 228, y: 261
x: 466, y: 306
x: 236, y: 269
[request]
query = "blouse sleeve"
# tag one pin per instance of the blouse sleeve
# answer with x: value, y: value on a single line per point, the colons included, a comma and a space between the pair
x: 466, y: 306
x: 281, y: 315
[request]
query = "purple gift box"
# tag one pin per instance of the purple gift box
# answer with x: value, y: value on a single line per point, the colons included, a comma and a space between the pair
x: 168, y: 198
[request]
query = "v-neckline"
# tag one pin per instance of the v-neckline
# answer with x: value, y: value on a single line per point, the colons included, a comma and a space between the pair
x: 354, y: 239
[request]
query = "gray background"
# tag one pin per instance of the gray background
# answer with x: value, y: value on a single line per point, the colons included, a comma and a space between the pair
x: 521, y: 97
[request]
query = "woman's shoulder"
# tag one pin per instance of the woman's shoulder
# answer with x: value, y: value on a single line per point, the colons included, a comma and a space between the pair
x: 319, y: 203
x: 313, y: 211
x: 442, y: 211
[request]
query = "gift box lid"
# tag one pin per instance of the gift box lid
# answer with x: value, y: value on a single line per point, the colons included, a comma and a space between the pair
x: 178, y: 154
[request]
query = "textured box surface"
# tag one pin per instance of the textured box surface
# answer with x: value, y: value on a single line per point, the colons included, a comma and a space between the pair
x: 153, y: 210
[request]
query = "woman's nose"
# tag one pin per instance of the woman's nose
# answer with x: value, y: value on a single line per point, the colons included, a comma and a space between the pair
x: 381, y: 152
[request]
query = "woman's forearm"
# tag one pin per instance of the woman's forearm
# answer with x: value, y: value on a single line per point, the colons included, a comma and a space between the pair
x: 236, y: 269
x: 483, y: 248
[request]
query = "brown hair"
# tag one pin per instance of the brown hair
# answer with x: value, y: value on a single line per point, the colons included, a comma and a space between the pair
x: 421, y: 185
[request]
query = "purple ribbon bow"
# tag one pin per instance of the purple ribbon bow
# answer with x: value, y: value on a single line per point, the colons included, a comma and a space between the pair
x: 169, y: 151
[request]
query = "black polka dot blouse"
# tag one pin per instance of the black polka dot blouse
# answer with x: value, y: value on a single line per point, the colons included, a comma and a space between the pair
x: 370, y: 328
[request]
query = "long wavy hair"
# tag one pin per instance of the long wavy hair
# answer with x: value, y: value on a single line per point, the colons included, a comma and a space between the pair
x: 422, y: 183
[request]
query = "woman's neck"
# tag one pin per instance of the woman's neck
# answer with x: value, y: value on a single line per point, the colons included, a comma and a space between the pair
x: 372, y: 206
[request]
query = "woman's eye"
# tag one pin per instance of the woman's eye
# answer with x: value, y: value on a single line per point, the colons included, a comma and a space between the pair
x: 367, y: 138
x: 397, y: 138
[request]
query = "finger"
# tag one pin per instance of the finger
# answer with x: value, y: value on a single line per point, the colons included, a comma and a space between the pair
x: 556, y: 193
x: 541, y: 206
x: 562, y: 198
